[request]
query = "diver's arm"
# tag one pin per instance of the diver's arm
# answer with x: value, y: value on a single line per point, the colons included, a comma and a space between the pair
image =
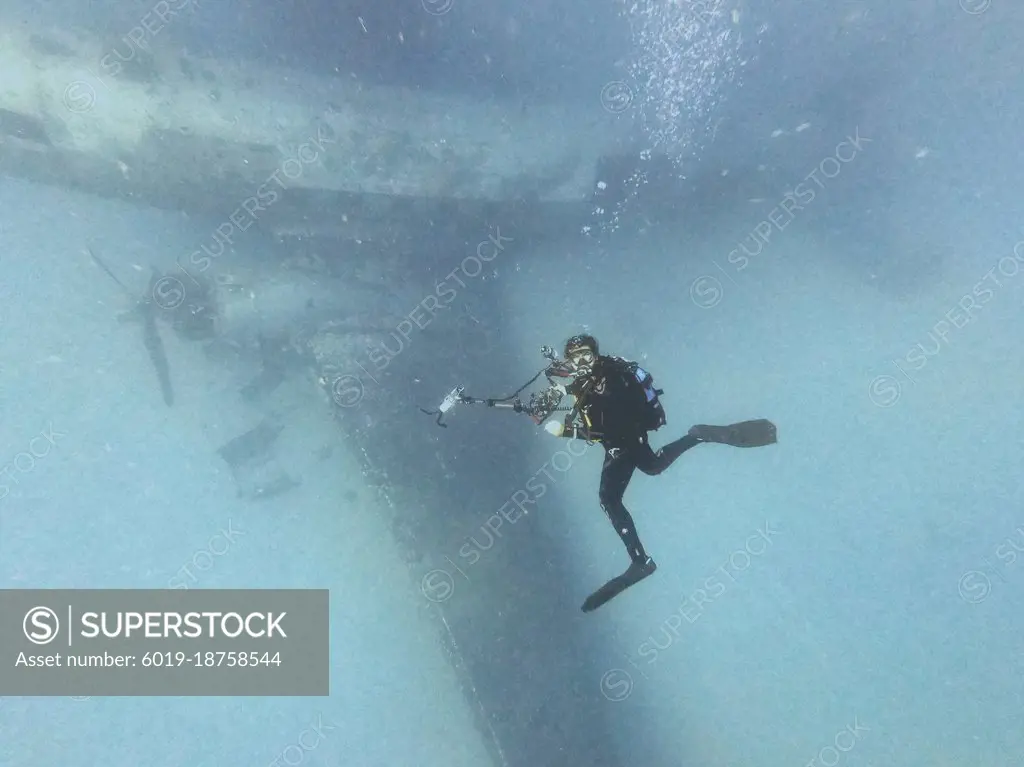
x: 576, y: 431
x: 572, y: 428
x: 569, y: 431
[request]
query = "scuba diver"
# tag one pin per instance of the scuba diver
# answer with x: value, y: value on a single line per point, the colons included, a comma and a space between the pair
x: 617, y: 405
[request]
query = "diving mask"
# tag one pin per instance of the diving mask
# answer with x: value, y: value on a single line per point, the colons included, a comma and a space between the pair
x: 582, y: 360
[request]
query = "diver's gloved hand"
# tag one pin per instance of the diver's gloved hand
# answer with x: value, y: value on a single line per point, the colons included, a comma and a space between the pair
x: 554, y: 428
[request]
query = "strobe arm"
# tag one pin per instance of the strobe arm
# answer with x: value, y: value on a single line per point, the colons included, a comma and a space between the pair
x: 453, y: 398
x: 541, y: 404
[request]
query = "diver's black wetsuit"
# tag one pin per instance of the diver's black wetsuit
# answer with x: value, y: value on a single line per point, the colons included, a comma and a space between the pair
x: 610, y: 404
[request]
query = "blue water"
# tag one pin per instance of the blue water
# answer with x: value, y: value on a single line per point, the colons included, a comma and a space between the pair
x: 821, y: 226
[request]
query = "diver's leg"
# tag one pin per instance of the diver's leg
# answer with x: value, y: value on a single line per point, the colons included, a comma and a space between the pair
x: 615, y: 475
x: 650, y: 462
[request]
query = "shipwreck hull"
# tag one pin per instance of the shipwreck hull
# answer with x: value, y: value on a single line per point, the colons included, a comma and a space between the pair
x: 397, y: 189
x: 489, y: 575
x: 135, y: 118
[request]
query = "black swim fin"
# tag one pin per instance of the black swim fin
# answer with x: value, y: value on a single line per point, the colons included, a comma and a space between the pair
x: 757, y: 433
x: 636, y: 573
